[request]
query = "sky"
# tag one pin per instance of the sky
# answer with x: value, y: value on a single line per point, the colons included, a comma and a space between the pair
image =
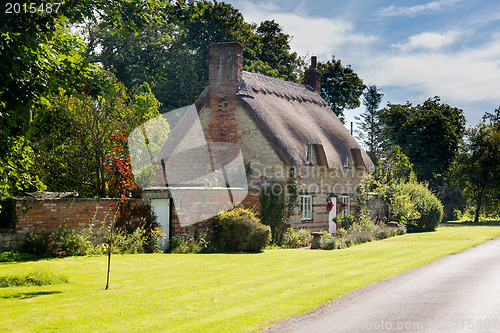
x: 411, y: 50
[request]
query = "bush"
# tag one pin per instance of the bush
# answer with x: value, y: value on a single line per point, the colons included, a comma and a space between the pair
x: 187, y: 244
x: 11, y: 256
x: 55, y: 243
x: 297, y: 238
x: 132, y: 217
x: 427, y: 205
x: 240, y: 230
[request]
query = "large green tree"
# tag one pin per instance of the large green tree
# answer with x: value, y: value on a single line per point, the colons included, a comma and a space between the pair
x: 428, y: 133
x: 369, y: 123
x: 477, y: 167
x: 341, y: 87
x: 171, y: 54
x: 39, y: 56
x: 72, y: 135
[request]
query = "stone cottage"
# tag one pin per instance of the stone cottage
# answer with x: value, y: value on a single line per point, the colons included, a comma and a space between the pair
x: 247, y: 131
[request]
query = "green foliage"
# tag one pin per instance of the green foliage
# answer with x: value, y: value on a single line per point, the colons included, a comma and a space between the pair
x: 15, y: 167
x: 477, y: 168
x: 340, y: 86
x: 400, y: 207
x: 363, y: 230
x: 429, y: 134
x: 8, y: 215
x: 240, y: 230
x: 11, y: 256
x: 62, y: 241
x: 55, y: 243
x: 297, y: 238
x: 71, y: 137
x: 394, y: 165
x: 271, y: 210
x: 453, y: 200
x: 36, y: 278
x: 370, y: 133
x: 187, y: 244
x: 140, y: 215
x: 426, y: 204
x: 276, y: 206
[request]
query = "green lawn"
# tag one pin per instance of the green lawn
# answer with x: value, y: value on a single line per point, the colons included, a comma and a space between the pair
x: 211, y: 292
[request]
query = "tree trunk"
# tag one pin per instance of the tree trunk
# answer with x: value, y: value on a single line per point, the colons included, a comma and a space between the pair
x: 479, y: 203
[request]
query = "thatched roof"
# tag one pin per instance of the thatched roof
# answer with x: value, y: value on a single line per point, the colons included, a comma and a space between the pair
x: 291, y: 117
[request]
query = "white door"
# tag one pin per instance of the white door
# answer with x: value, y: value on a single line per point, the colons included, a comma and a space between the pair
x: 332, y: 226
x: 161, y: 208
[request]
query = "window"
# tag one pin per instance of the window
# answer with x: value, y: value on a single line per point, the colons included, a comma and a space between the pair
x: 345, y: 202
x: 306, y: 207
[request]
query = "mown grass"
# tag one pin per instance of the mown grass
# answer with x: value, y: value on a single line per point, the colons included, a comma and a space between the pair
x: 212, y: 292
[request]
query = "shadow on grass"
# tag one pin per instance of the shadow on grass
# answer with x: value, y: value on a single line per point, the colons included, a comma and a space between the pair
x: 30, y: 295
x: 472, y: 223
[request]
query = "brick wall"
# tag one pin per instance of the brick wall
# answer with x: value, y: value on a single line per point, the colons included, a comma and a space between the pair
x: 225, y: 72
x: 75, y: 213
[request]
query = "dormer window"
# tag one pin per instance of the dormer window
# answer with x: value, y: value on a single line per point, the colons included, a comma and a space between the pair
x: 309, y: 155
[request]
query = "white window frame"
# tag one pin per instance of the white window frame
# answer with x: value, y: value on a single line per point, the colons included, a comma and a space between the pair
x: 306, y: 207
x: 345, y: 199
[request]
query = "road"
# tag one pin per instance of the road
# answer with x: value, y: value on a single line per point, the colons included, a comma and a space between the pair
x: 458, y: 293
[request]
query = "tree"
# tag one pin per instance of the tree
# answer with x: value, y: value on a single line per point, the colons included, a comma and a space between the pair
x: 369, y: 122
x: 71, y: 136
x: 171, y: 54
x: 477, y: 167
x: 274, y: 50
x: 340, y: 86
x: 429, y: 134
x: 39, y: 56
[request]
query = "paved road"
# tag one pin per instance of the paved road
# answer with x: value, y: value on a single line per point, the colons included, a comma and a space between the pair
x: 459, y: 293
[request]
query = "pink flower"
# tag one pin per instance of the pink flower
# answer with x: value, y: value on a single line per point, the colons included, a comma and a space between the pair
x: 96, y: 208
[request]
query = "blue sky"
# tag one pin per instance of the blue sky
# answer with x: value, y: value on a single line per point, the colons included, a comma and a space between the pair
x: 412, y: 50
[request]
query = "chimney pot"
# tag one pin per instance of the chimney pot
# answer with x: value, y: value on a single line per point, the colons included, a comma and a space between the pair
x: 313, y: 61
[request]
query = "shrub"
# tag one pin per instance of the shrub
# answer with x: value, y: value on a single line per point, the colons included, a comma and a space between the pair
x: 297, y: 238
x: 57, y: 242
x: 140, y: 215
x: 11, y: 256
x: 240, y: 230
x: 328, y: 241
x: 187, y: 244
x: 427, y: 204
x: 361, y: 236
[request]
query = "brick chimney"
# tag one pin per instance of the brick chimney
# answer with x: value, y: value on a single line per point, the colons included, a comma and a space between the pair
x: 312, y: 76
x: 225, y: 62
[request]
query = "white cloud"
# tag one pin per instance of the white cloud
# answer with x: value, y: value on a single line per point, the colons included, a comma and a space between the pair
x: 428, y: 40
x: 414, y: 10
x: 463, y: 77
x: 310, y: 35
